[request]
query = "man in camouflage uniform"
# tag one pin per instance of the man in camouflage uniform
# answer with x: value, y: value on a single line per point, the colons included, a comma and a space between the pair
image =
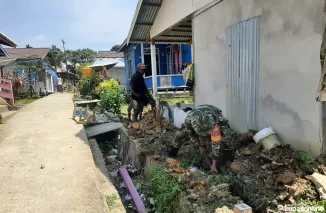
x: 197, y: 128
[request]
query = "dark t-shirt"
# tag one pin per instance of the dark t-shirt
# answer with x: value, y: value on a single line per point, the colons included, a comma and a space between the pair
x: 137, y: 82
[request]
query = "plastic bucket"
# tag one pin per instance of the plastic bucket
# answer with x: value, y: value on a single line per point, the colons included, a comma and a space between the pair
x: 268, y: 138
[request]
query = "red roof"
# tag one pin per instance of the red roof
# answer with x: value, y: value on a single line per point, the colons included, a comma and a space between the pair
x: 20, y: 53
x: 109, y: 54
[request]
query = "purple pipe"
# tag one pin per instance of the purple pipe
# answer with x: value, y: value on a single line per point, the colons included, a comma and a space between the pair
x: 132, y: 190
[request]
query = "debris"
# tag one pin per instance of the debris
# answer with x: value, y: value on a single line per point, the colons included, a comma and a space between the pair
x: 113, y: 152
x: 238, y: 167
x: 135, y: 125
x: 110, y: 159
x: 42, y: 166
x: 286, y: 178
x: 320, y: 183
x: 283, y: 196
x: 242, y: 208
x: 224, y: 209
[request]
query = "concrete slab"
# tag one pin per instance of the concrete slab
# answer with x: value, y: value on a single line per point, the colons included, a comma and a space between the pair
x: 3, y: 108
x: 102, y: 128
x: 6, y: 115
x: 46, y: 162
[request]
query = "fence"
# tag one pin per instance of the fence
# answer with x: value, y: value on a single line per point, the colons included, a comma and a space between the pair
x: 6, y: 90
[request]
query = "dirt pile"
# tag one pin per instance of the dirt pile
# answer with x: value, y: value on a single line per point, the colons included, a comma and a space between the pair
x: 267, y: 178
x: 153, y: 138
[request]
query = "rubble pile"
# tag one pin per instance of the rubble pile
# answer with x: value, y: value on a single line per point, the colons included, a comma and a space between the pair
x: 153, y: 138
x: 267, y: 178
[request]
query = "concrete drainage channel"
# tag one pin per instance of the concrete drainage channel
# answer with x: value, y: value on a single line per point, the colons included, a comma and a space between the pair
x: 113, y: 161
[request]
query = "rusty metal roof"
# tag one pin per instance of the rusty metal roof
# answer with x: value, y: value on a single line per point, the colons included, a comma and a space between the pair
x: 109, y: 54
x: 143, y: 20
x: 21, y: 53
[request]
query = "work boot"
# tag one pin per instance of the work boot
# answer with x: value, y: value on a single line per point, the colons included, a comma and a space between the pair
x: 174, y: 152
x: 135, y: 117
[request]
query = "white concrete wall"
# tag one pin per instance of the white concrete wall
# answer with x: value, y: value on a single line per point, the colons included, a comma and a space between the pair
x: 118, y: 74
x: 173, y: 11
x: 291, y: 35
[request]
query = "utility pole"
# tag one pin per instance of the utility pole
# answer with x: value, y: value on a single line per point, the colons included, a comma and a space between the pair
x: 64, y: 52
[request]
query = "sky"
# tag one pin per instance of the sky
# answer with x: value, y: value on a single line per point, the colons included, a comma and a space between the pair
x: 94, y: 24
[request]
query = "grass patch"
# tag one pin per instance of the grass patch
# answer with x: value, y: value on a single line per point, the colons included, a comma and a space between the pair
x: 111, y: 200
x: 164, y: 189
x: 25, y: 101
x: 172, y: 101
x: 304, y: 159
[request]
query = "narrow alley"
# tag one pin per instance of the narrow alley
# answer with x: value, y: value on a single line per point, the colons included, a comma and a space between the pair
x: 46, y: 162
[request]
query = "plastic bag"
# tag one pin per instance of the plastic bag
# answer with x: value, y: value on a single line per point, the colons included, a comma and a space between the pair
x: 179, y: 117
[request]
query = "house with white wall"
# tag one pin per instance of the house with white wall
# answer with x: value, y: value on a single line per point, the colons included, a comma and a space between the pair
x: 257, y: 60
x: 42, y: 81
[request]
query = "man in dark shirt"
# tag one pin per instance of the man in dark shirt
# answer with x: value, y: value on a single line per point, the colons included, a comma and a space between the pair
x: 139, y: 92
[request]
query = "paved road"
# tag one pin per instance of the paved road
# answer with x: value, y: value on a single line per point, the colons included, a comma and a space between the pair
x: 43, y: 133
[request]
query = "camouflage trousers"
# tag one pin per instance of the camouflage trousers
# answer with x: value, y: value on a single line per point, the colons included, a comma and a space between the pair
x: 188, y: 134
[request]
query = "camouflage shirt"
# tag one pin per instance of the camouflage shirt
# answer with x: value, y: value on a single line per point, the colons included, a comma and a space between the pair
x: 198, y: 125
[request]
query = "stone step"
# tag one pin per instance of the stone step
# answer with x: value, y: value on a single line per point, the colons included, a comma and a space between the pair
x: 6, y: 115
x: 3, y: 108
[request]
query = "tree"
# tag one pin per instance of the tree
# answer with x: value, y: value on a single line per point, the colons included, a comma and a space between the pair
x: 80, y: 56
x: 55, y: 57
x: 82, y: 66
x: 115, y: 48
x: 28, y: 46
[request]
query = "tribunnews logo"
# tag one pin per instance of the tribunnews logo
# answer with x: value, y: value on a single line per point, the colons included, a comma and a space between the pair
x: 286, y: 208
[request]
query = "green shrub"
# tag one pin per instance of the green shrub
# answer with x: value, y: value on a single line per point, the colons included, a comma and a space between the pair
x: 304, y: 159
x: 112, y: 100
x: 105, y: 85
x: 87, y: 86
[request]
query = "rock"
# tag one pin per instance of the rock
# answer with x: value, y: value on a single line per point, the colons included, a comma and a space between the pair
x: 42, y: 166
x: 237, y: 167
x: 246, y: 152
x: 320, y: 183
x: 224, y: 209
x: 322, y: 169
x: 113, y: 152
x: 283, y: 196
x: 110, y: 159
x: 113, y: 174
x: 286, y: 178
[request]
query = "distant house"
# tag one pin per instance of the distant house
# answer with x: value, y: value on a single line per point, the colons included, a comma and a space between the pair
x: 112, y: 63
x: 109, y: 54
x: 41, y: 81
x: 4, y: 57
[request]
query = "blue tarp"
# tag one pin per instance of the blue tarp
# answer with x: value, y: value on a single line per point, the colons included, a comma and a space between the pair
x: 54, y: 77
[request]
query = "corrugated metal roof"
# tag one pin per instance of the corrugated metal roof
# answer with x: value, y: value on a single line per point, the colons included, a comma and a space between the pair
x: 143, y: 20
x: 7, y: 41
x: 22, y: 53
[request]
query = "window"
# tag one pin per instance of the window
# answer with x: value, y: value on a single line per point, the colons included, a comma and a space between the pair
x: 148, y: 61
x: 129, y: 66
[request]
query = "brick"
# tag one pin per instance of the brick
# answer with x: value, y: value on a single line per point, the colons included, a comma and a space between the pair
x: 242, y: 208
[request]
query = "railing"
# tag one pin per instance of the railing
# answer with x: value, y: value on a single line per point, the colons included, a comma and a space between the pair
x: 6, y: 90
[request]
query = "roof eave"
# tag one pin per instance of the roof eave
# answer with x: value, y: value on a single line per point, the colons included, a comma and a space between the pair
x: 140, y: 2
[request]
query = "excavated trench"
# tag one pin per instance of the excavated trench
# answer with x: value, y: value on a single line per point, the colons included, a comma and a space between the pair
x: 251, y: 180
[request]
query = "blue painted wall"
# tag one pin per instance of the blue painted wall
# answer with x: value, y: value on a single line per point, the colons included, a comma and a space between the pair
x: 135, y: 51
x: 186, y: 53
